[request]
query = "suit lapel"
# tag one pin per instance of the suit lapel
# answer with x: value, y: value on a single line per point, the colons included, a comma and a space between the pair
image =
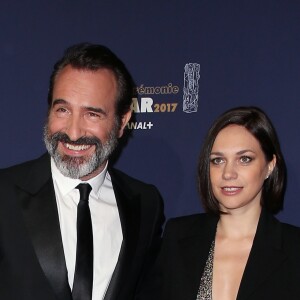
x: 194, y: 251
x: 37, y: 200
x: 129, y: 211
x: 265, y: 256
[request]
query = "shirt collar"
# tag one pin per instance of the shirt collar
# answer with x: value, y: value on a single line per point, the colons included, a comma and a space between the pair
x: 66, y: 184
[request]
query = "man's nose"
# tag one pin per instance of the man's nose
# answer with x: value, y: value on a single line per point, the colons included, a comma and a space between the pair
x: 75, y: 128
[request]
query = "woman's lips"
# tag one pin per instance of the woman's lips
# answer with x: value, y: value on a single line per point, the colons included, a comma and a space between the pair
x: 231, y: 190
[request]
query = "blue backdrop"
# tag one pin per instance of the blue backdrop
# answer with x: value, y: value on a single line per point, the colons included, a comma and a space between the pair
x: 247, y: 53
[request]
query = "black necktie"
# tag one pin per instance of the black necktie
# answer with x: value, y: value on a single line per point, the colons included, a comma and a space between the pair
x: 83, y: 277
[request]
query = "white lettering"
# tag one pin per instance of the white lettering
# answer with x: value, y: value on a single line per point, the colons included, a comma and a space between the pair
x: 140, y: 125
x: 135, y: 105
x: 146, y: 105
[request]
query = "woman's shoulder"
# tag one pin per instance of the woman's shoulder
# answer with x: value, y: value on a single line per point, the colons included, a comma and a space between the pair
x: 291, y: 232
x: 291, y: 244
x: 190, y: 224
x: 189, y: 219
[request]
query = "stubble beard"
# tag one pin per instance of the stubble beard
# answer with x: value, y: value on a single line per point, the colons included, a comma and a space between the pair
x: 79, y: 167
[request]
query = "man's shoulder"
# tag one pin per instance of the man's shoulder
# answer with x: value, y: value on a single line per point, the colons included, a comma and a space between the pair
x: 124, y: 179
x: 25, y: 169
x: 147, y: 193
x: 20, y: 166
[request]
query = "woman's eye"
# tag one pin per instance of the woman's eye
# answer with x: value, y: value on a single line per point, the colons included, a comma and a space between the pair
x: 216, y: 160
x: 245, y: 159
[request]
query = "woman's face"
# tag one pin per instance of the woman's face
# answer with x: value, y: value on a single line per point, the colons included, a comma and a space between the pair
x: 238, y: 169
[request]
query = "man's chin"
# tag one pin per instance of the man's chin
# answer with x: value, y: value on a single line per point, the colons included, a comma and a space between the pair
x: 74, y: 170
x: 77, y: 167
x: 74, y: 160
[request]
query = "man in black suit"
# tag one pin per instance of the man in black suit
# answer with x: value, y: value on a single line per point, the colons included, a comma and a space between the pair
x: 89, y: 106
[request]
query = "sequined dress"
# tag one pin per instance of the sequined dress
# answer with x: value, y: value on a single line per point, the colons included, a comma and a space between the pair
x: 205, y: 289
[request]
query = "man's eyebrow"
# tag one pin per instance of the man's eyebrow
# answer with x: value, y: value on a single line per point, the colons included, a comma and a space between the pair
x: 59, y: 101
x: 86, y: 108
x: 216, y: 153
x: 95, y: 109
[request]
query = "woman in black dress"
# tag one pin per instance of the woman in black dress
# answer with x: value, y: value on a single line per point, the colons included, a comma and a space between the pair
x: 237, y: 249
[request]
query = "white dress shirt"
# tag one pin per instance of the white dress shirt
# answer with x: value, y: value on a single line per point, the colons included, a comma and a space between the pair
x: 107, y: 231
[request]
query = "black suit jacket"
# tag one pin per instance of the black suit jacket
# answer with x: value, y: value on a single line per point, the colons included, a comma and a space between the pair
x: 272, y: 271
x: 32, y: 262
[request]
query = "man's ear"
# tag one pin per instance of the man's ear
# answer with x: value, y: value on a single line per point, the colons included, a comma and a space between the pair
x: 124, y: 120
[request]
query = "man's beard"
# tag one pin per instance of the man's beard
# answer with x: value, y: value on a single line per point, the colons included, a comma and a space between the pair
x: 78, y: 167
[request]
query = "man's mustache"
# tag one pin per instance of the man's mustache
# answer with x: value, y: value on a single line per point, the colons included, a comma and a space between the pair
x: 84, y: 140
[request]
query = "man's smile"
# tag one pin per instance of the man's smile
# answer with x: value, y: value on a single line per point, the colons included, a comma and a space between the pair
x: 76, y: 147
x: 76, y: 150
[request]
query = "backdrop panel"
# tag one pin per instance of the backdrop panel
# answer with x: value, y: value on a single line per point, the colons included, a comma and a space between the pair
x: 220, y: 54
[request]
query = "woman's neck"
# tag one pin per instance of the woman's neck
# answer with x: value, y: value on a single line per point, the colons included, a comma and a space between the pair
x: 238, y: 224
